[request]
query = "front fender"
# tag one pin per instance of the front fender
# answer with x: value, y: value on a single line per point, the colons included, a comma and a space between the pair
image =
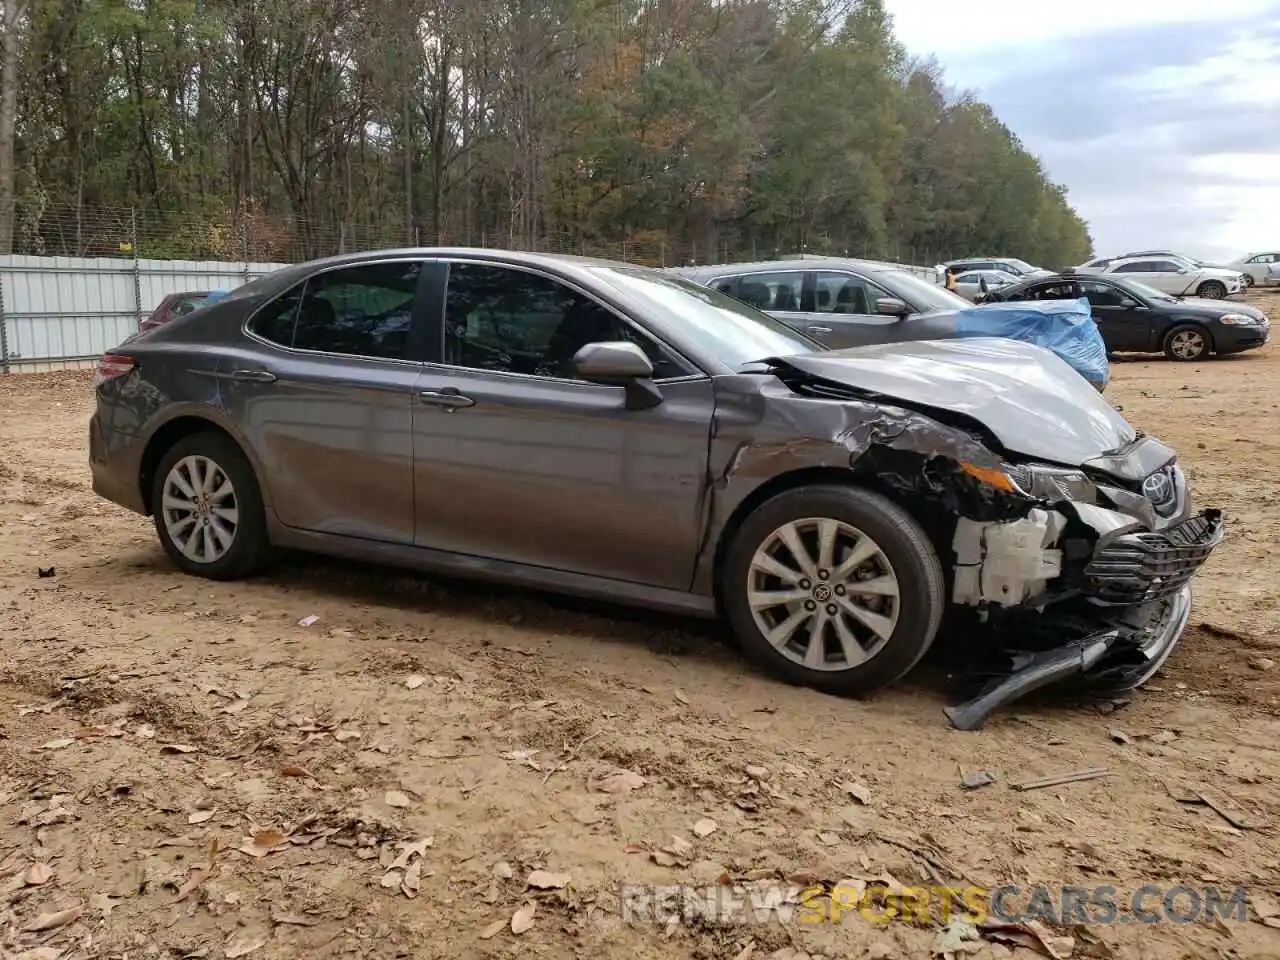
x: 764, y: 433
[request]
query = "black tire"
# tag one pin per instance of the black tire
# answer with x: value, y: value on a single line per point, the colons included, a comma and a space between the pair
x: 1212, y: 290
x: 1176, y: 343
x: 250, y: 548
x: 1248, y: 280
x: 921, y: 589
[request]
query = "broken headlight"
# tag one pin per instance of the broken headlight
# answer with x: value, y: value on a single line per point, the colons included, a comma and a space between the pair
x: 1037, y: 480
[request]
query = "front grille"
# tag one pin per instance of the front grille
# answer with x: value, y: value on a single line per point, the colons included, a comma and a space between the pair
x: 1137, y: 567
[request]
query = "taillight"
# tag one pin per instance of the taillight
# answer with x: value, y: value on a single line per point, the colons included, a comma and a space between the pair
x: 112, y: 365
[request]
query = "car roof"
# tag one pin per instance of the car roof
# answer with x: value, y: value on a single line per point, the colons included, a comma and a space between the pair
x: 561, y: 263
x: 798, y: 262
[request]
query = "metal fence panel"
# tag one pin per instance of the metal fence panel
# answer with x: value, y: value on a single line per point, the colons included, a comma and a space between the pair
x: 61, y: 312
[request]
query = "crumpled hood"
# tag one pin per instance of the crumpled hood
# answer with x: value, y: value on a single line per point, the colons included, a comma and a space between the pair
x: 1033, y: 402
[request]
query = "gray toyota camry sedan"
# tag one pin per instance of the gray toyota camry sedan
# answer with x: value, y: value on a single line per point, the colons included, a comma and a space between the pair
x: 609, y: 431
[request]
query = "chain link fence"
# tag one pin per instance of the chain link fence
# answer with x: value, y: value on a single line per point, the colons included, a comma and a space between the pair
x: 70, y: 230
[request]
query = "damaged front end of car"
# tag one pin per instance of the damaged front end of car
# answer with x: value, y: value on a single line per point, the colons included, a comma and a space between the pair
x: 1070, y: 574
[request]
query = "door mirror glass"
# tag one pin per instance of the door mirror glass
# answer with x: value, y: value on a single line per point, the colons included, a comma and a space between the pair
x: 892, y: 307
x: 612, y: 362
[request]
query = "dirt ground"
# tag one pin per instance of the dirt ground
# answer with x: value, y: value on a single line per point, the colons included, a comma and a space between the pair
x: 185, y: 771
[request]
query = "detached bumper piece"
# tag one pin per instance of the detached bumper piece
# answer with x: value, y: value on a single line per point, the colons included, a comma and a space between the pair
x: 1030, y: 672
x: 1080, y: 648
x: 1135, y: 568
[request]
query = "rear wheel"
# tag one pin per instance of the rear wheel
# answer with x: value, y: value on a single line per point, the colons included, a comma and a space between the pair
x: 833, y: 587
x: 1187, y: 342
x: 1211, y: 290
x: 208, y: 509
x: 1248, y: 280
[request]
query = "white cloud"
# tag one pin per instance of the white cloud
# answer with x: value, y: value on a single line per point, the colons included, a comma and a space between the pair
x: 1160, y: 118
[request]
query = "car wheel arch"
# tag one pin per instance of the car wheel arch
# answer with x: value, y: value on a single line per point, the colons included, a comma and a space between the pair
x: 1197, y: 323
x: 170, y: 432
x: 782, y: 483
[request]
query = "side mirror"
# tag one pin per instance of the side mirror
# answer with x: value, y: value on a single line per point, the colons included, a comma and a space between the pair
x: 892, y: 307
x: 619, y: 363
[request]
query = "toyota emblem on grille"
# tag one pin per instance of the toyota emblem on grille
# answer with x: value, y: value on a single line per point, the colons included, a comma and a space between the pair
x: 1158, y: 488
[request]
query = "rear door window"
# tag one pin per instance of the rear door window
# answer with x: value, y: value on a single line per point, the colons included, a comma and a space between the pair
x: 361, y: 311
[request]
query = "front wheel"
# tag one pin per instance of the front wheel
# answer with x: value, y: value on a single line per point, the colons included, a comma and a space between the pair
x: 1212, y: 290
x: 208, y: 509
x: 1186, y: 343
x: 833, y: 587
x: 1248, y: 280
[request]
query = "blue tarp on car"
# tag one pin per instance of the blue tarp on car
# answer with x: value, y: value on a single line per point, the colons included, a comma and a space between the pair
x: 1064, y: 326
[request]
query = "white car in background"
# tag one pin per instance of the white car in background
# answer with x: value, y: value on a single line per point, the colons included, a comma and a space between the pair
x: 1259, y: 268
x: 1171, y: 275
x: 973, y: 283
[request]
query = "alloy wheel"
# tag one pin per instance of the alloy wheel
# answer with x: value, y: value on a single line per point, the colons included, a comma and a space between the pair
x: 201, y: 513
x: 1187, y: 344
x: 823, y: 594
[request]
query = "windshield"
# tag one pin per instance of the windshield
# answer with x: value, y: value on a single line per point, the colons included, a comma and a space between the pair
x: 1022, y: 265
x: 1147, y: 293
x: 718, y: 324
x: 919, y: 293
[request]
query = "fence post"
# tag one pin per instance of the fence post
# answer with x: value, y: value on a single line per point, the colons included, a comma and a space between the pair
x: 137, y: 267
x: 244, y: 245
x: 4, y: 332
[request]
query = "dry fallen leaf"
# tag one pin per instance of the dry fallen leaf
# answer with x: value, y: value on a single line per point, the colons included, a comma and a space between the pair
x: 492, y: 930
x: 412, y: 880
x: 293, y: 770
x: 409, y: 850
x: 292, y: 919
x: 39, y: 953
x: 622, y: 782
x: 542, y: 880
x: 51, y: 921
x: 235, y: 706
x: 522, y: 919
x: 394, y: 798
x: 145, y: 731
x: 858, y: 790
x: 391, y: 879
x: 177, y: 748
x: 705, y: 827
x: 201, y: 816
x: 414, y: 681
x: 262, y: 843
x: 681, y: 698
x: 37, y: 875
x: 59, y: 744
x: 103, y: 904
x: 244, y: 944
x: 342, y: 736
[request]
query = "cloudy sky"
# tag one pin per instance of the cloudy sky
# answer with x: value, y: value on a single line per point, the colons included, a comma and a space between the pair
x: 1161, y: 118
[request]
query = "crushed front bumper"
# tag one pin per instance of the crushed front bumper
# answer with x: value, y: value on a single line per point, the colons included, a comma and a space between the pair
x: 1103, y: 611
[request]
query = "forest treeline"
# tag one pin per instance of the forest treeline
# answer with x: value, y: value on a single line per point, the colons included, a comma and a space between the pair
x: 701, y: 128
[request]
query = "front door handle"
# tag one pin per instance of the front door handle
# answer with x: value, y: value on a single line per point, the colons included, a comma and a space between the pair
x: 449, y: 398
x: 819, y: 329
x: 253, y: 376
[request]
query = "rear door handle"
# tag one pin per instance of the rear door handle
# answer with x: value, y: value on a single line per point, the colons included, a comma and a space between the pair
x: 253, y: 376
x: 819, y: 329
x: 449, y: 398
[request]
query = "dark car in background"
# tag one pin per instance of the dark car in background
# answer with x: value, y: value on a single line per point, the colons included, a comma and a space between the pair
x: 605, y: 430
x: 1135, y: 318
x: 173, y: 306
